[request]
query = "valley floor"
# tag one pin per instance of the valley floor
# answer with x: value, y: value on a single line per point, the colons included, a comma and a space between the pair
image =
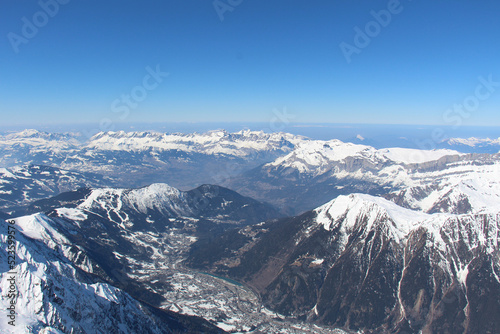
x: 234, y: 308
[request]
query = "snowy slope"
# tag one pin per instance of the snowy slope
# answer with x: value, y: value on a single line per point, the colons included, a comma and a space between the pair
x: 168, y: 201
x: 54, y: 296
x: 467, y: 186
x: 373, y: 210
x: 414, y: 156
x: 24, y: 184
x: 361, y: 211
x: 152, y: 205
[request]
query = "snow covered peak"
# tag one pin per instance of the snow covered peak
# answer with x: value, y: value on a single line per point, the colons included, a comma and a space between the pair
x: 465, y: 186
x: 37, y: 227
x: 358, y: 214
x: 114, y: 202
x: 29, y: 133
x: 309, y: 155
x: 123, y: 134
x: 314, y: 156
x: 32, y: 133
x: 361, y: 211
x: 314, y: 152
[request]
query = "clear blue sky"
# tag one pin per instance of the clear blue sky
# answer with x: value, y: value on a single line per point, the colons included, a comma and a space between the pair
x: 263, y: 55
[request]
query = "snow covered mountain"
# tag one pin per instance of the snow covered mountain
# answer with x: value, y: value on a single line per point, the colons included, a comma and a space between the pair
x: 240, y: 144
x: 53, y: 295
x: 316, y: 171
x: 406, y: 242
x: 150, y: 206
x: 132, y: 233
x: 363, y: 263
x: 182, y: 160
x: 468, y: 185
x: 106, y: 257
x: 314, y: 156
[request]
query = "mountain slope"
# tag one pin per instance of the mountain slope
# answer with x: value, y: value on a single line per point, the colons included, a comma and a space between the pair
x: 55, y: 296
x: 468, y: 185
x: 22, y: 185
x: 160, y: 201
x: 363, y: 263
x: 141, y: 233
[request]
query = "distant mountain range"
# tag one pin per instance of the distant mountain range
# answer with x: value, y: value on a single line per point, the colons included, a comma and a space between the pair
x: 134, y: 159
x: 473, y: 145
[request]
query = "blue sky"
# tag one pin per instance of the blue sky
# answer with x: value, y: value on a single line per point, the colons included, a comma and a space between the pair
x: 430, y: 62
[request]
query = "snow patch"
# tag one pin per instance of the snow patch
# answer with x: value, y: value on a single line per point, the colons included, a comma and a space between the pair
x: 412, y: 156
x: 72, y: 214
